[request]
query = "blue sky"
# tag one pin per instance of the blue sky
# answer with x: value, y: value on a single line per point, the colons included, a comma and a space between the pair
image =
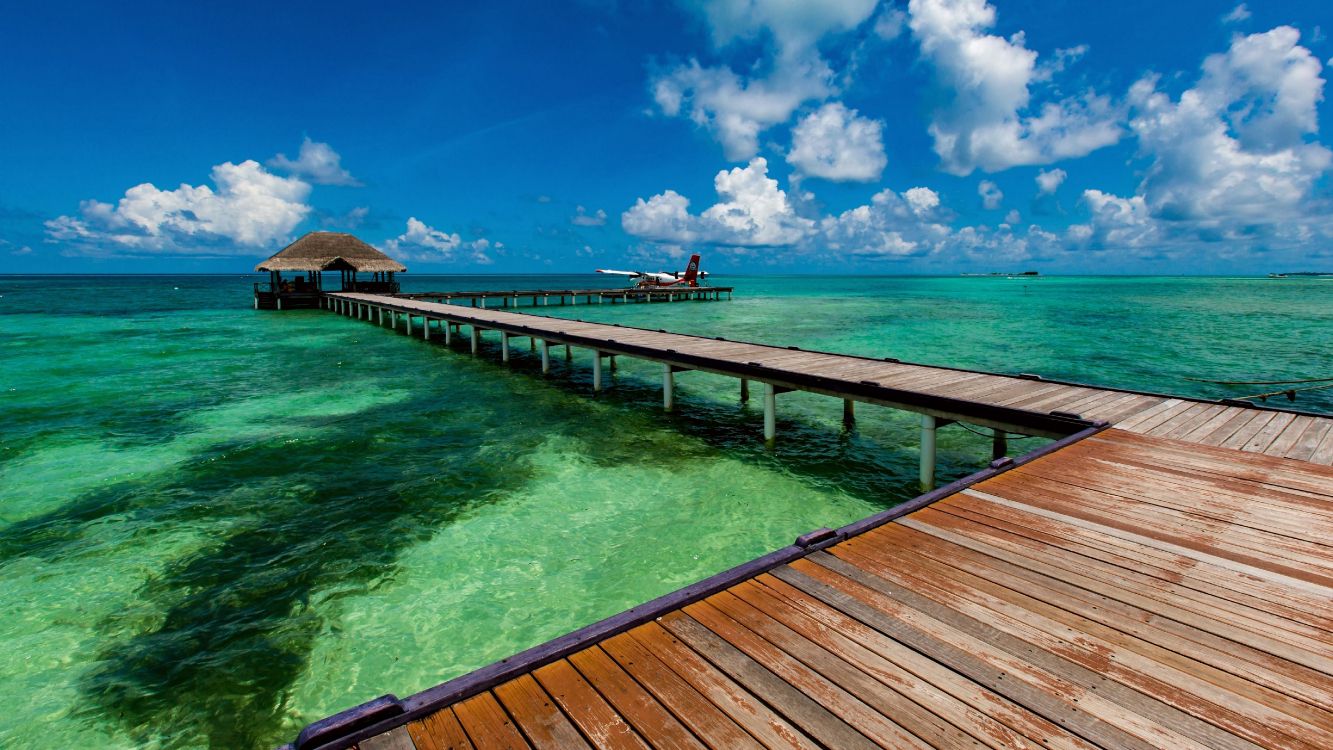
x: 931, y: 136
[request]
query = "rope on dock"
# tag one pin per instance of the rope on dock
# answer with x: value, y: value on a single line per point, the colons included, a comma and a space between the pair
x: 1290, y: 393
x: 1260, y: 382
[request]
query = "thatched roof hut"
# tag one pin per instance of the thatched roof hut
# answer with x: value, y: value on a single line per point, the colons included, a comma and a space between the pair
x: 331, y: 251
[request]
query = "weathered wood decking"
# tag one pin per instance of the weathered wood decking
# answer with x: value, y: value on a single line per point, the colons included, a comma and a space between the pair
x: 1014, y: 404
x: 1124, y: 591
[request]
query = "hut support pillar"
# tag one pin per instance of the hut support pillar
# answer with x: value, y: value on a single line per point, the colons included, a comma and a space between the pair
x: 504, y: 346
x: 569, y: 354
x: 448, y: 332
x: 999, y: 445
x: 848, y: 413
x: 770, y: 413
x: 408, y: 316
x: 476, y: 339
x: 596, y: 370
x: 745, y: 390
x: 425, y: 328
x: 668, y: 388
x: 927, y: 452
x: 381, y: 313
x: 546, y: 357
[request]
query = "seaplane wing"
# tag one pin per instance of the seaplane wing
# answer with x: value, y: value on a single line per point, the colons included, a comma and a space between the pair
x: 631, y: 274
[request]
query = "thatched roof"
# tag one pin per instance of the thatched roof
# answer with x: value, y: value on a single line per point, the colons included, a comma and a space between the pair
x: 330, y: 251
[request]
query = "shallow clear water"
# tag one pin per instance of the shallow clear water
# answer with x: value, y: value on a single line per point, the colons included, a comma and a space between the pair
x: 218, y: 524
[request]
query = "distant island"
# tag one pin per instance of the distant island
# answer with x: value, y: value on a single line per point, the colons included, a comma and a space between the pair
x: 1299, y: 273
x: 998, y: 273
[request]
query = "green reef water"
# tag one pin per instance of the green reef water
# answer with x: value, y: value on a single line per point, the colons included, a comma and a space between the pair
x: 218, y: 524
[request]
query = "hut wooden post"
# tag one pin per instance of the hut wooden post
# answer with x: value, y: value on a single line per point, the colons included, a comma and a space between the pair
x: 927, y: 452
x: 848, y: 413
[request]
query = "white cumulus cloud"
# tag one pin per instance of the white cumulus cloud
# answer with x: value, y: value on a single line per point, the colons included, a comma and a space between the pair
x: 752, y: 211
x: 836, y: 143
x: 247, y: 208
x: 991, y: 122
x: 735, y: 108
x: 1048, y: 181
x: 582, y: 218
x: 317, y: 162
x: 1233, y: 158
x: 422, y: 242
x: 990, y: 194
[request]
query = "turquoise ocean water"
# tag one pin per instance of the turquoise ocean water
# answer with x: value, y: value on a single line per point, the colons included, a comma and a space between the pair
x: 218, y: 524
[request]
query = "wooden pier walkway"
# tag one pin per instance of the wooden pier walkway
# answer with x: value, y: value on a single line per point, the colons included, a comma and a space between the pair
x: 1163, y: 583
x: 544, y: 297
x: 1025, y: 405
x: 1115, y: 590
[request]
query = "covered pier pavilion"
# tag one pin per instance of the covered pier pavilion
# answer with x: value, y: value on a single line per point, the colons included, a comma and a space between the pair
x: 309, y: 257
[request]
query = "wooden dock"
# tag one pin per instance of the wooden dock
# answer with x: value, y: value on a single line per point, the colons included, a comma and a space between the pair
x: 551, y: 297
x: 1162, y: 583
x: 1117, y: 591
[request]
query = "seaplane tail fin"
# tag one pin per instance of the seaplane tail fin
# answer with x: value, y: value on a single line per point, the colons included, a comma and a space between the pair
x: 692, y: 270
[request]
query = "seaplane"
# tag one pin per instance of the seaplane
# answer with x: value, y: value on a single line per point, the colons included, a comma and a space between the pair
x: 642, y: 279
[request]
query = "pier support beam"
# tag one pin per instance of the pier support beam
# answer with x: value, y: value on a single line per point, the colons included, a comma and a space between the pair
x: 668, y: 388
x: 999, y: 447
x: 569, y: 354
x: 596, y: 370
x: 476, y: 339
x: 448, y: 332
x: 381, y: 316
x: 848, y: 413
x: 408, y: 316
x: 425, y: 328
x: 745, y: 391
x: 504, y: 346
x: 927, y: 452
x: 546, y: 357
x: 770, y: 413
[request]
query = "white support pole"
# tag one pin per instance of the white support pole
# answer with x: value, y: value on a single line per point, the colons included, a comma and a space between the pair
x: 483, y: 303
x: 279, y: 299
x: 448, y: 333
x: 546, y: 356
x: 927, y: 452
x: 668, y: 388
x: 425, y: 328
x: 476, y: 339
x: 596, y: 370
x: 381, y: 314
x: 409, y: 323
x: 770, y: 413
x: 504, y: 346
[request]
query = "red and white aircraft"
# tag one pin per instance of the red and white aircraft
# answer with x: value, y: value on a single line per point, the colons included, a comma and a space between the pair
x: 689, y: 277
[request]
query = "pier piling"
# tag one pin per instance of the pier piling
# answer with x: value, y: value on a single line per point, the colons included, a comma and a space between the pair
x: 770, y: 413
x: 668, y: 388
x: 927, y: 452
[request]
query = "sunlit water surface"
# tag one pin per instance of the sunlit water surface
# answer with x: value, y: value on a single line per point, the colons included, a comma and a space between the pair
x: 217, y: 524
